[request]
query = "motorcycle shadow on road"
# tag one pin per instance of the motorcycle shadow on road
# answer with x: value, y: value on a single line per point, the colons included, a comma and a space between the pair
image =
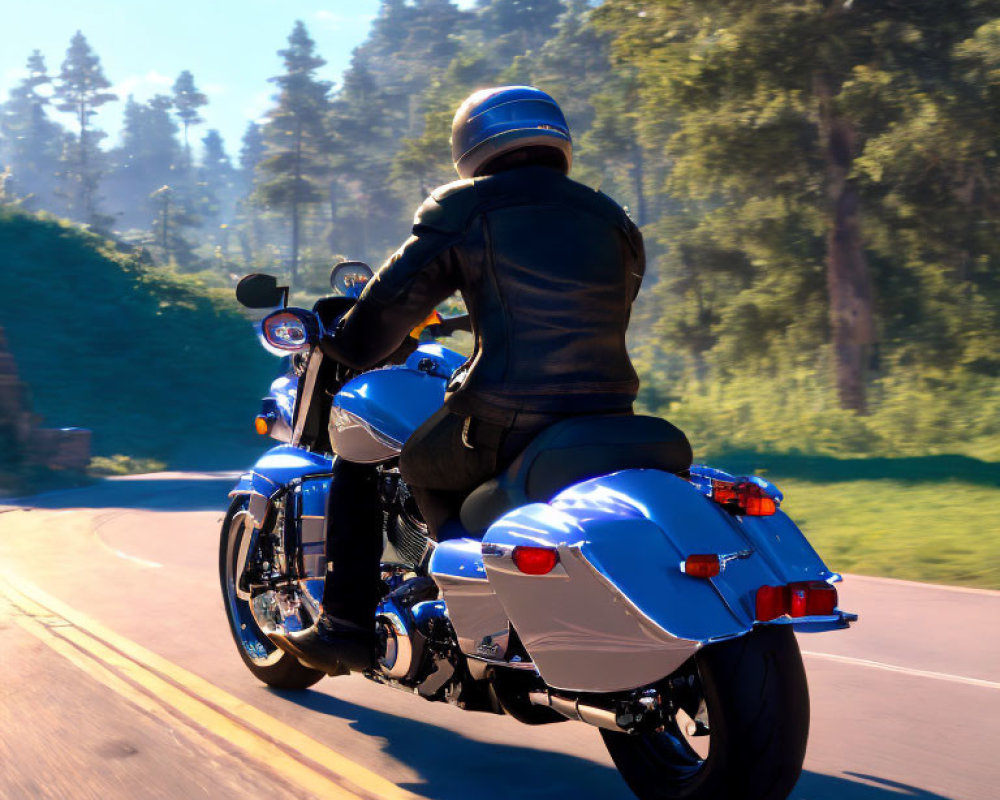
x: 450, y: 764
x: 857, y: 786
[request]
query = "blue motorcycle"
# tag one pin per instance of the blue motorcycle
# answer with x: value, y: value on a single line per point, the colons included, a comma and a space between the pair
x: 597, y: 582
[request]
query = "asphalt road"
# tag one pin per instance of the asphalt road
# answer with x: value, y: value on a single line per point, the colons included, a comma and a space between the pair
x: 120, y: 680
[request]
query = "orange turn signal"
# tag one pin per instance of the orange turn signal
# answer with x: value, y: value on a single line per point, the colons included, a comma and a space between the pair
x: 262, y: 424
x: 434, y: 318
x: 705, y: 565
x: 743, y: 497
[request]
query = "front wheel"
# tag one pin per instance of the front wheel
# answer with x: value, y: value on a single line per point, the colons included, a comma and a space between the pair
x: 747, y: 703
x: 269, y: 664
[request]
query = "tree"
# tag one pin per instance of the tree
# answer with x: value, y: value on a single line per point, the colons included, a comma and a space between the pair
x: 296, y: 137
x: 147, y: 157
x: 187, y: 101
x: 217, y: 183
x: 252, y: 152
x: 514, y: 27
x: 31, y: 142
x: 81, y: 89
x: 766, y: 111
x: 172, y: 217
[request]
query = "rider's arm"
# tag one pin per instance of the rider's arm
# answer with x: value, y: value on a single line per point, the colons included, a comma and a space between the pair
x: 418, y: 276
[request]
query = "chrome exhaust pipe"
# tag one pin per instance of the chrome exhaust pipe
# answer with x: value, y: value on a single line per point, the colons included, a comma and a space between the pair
x: 572, y: 708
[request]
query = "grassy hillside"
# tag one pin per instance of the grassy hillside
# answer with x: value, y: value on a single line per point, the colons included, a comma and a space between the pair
x: 157, y: 366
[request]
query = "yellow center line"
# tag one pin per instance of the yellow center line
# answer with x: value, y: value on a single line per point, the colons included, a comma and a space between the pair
x: 207, y: 705
x: 105, y: 676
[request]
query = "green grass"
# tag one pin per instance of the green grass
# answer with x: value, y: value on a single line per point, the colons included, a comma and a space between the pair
x: 922, y: 518
x: 158, y: 366
x: 947, y: 532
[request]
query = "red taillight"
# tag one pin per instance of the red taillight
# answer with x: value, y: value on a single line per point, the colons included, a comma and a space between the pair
x: 805, y: 599
x: 701, y: 566
x: 772, y: 602
x: 745, y: 497
x: 724, y: 492
x: 812, y: 598
x: 535, y: 560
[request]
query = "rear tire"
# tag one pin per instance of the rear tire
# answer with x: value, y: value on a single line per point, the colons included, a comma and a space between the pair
x: 268, y: 664
x: 757, y: 699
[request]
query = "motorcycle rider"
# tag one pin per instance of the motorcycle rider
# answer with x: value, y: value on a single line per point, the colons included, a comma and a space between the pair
x: 548, y: 269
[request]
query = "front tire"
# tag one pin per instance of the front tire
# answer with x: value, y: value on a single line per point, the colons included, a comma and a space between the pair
x: 757, y: 700
x: 269, y: 664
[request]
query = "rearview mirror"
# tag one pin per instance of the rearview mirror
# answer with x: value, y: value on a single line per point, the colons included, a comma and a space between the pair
x: 349, y: 277
x: 261, y: 291
x: 289, y: 330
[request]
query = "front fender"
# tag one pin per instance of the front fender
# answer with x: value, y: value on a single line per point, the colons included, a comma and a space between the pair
x: 278, y: 467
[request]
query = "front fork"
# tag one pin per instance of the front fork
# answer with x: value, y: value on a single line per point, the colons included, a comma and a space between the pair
x: 270, y: 573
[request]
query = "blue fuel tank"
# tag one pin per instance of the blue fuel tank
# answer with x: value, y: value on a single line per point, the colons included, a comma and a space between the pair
x: 374, y: 414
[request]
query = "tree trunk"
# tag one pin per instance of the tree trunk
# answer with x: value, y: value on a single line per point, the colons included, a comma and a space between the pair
x: 295, y: 243
x: 638, y: 179
x: 295, y: 206
x: 84, y: 196
x: 165, y: 227
x: 848, y: 280
x: 332, y: 239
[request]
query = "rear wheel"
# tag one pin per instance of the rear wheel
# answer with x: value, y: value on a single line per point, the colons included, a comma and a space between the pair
x: 747, y: 702
x: 271, y: 665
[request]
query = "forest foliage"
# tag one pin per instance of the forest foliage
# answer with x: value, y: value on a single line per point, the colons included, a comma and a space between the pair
x: 817, y: 182
x: 157, y: 365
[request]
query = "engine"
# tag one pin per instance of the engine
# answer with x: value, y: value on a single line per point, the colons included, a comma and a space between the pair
x: 418, y: 644
x: 402, y: 524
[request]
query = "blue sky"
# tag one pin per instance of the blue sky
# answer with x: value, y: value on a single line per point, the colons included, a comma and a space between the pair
x: 229, y: 45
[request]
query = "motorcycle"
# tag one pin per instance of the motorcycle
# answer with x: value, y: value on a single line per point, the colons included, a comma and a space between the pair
x: 601, y: 580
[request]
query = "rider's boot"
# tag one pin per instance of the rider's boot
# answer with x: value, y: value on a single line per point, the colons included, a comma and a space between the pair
x: 334, y: 646
x: 343, y: 637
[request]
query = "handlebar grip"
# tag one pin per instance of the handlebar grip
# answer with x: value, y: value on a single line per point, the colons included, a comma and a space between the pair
x: 448, y: 326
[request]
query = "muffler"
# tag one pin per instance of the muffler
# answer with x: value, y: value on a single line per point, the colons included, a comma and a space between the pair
x: 572, y: 708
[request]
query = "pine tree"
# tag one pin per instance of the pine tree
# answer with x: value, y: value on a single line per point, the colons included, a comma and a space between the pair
x: 172, y: 217
x: 515, y: 27
x: 81, y: 89
x: 252, y: 152
x: 31, y: 142
x: 147, y: 158
x: 187, y: 101
x: 217, y: 184
x: 296, y: 137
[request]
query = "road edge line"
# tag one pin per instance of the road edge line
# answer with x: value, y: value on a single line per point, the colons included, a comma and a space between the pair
x: 917, y: 673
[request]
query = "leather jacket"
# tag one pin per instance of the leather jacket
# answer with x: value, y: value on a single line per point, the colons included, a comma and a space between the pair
x: 548, y: 269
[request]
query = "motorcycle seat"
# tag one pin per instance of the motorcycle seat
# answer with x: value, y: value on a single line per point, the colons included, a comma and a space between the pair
x: 572, y: 451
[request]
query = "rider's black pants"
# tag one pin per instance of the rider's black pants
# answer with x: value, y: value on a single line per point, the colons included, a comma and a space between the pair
x: 442, y: 462
x: 353, y: 544
x: 451, y: 454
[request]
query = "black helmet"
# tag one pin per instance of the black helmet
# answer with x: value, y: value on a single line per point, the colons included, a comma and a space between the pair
x: 492, y: 122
